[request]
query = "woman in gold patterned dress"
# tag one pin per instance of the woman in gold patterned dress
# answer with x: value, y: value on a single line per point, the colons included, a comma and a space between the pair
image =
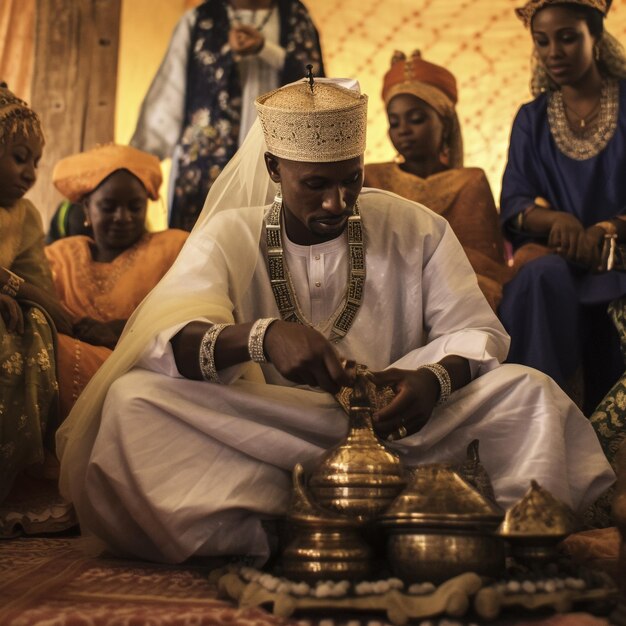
x: 28, y: 306
x: 564, y: 199
x: 423, y: 126
x: 101, y: 281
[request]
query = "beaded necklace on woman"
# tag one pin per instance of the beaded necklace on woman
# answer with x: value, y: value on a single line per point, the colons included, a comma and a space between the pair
x: 594, y: 133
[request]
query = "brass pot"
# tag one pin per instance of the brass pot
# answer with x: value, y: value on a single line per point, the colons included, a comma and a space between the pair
x: 360, y: 477
x: 324, y: 545
x: 438, y: 554
x: 536, y: 525
x: 440, y: 527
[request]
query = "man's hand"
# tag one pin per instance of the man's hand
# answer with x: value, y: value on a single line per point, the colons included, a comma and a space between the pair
x: 417, y: 392
x: 303, y: 355
x: 245, y: 40
x: 11, y: 314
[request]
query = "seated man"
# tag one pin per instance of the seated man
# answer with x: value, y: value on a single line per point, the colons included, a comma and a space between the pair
x: 184, y: 442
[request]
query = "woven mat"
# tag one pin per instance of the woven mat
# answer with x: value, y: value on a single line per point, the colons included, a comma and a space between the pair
x: 54, y: 581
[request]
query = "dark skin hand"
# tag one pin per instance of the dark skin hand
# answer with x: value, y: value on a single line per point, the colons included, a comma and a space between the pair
x: 47, y: 301
x: 99, y: 333
x: 11, y: 314
x: 417, y: 393
x: 568, y: 237
x: 245, y: 40
x: 299, y: 353
x: 304, y: 356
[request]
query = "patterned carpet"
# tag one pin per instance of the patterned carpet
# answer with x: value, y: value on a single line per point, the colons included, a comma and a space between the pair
x: 56, y: 582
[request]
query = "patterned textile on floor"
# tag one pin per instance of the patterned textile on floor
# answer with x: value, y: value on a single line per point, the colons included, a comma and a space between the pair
x: 57, y: 582
x: 34, y: 507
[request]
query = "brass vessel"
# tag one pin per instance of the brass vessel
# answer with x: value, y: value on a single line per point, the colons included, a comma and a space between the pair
x: 359, y: 477
x: 324, y: 544
x: 440, y: 527
x: 536, y: 524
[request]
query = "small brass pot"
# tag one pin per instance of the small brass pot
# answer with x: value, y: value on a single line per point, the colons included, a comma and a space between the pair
x: 536, y: 525
x: 323, y: 545
x: 326, y: 553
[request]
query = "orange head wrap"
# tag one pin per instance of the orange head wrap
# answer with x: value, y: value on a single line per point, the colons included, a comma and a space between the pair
x: 77, y: 175
x: 433, y: 84
x: 405, y: 72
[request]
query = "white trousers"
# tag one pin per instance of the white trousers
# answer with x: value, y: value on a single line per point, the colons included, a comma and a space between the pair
x: 183, y: 467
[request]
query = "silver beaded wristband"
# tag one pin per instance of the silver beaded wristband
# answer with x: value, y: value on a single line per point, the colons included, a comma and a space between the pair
x: 445, y: 384
x: 207, y: 353
x: 256, y: 339
x: 13, y: 284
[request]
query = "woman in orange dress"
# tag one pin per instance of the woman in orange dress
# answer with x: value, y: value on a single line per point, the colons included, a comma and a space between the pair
x: 420, y: 98
x: 101, y: 281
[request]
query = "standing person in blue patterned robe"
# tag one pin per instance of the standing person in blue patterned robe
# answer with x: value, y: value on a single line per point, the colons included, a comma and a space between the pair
x: 223, y: 54
x: 564, y: 198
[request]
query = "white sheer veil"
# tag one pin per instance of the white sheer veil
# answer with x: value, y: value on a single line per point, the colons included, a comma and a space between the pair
x: 228, y: 231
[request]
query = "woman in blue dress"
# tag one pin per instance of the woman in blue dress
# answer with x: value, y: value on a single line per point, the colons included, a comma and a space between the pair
x: 563, y: 203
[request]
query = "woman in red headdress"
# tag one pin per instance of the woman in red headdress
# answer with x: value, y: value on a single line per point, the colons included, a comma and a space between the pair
x: 423, y: 126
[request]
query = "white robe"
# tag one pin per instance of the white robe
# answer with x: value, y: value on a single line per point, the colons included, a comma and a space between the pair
x: 183, y: 467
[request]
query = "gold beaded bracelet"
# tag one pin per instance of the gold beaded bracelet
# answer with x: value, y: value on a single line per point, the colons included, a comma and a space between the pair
x: 13, y: 284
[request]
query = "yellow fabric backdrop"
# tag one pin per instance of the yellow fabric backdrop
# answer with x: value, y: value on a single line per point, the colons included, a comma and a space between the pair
x: 480, y: 41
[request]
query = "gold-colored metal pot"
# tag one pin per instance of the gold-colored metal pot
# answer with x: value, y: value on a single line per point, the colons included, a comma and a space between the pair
x: 360, y: 477
x: 440, y: 527
x: 438, y: 554
x: 536, y: 525
x: 324, y: 545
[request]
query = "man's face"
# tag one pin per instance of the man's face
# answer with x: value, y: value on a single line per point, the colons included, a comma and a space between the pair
x: 318, y: 197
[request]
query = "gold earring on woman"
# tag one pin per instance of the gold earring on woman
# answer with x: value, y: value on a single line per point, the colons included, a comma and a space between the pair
x: 596, y: 52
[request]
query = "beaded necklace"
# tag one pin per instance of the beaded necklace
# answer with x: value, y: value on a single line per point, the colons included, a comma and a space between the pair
x: 593, y: 138
x: 282, y: 285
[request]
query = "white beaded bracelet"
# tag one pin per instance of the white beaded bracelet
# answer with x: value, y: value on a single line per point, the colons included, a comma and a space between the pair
x: 445, y: 384
x: 257, y: 337
x: 207, y: 353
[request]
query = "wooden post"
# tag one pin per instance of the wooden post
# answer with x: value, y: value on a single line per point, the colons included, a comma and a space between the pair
x: 74, y: 83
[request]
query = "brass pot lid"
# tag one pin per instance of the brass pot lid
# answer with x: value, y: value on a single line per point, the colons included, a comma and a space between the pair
x: 437, y: 496
x: 538, y: 514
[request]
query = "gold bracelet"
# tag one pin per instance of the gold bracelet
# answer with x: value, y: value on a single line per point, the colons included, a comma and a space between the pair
x: 13, y: 284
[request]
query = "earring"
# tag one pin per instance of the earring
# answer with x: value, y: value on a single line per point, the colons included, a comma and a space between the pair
x: 86, y: 222
x: 596, y: 52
